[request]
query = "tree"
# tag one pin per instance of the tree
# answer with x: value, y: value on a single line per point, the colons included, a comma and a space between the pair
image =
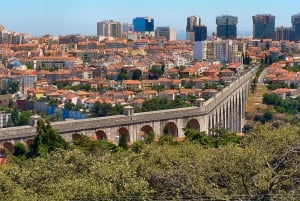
x: 69, y: 106
x: 3, y: 91
x: 163, y: 66
x: 193, y: 134
x: 123, y: 141
x: 272, y: 99
x: 95, y: 147
x: 123, y: 75
x: 246, y: 59
x: 264, y: 166
x: 167, y: 139
x: 136, y: 74
x: 191, y: 98
x: 25, y: 118
x: 155, y: 73
x: 138, y: 146
x: 58, y: 114
x: 149, y: 137
x: 46, y: 141
x: 15, y: 117
x: 268, y: 116
x: 13, y: 87
x: 273, y: 86
x: 294, y: 85
x: 221, y: 137
x: 247, y: 128
x: 19, y: 149
x: 163, y: 103
x: 106, y: 109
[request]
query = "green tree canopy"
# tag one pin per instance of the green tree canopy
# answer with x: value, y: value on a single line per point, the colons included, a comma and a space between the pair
x: 106, y: 109
x: 263, y: 166
x: 15, y: 117
x: 136, y: 74
x: 46, y: 141
x: 163, y: 104
x: 124, y: 74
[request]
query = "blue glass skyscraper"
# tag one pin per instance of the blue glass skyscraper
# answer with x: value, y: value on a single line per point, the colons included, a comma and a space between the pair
x: 143, y: 24
x: 264, y: 26
x: 200, y: 33
x: 296, y: 27
x: 226, y: 27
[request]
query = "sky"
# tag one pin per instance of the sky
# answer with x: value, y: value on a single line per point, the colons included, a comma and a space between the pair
x: 60, y: 17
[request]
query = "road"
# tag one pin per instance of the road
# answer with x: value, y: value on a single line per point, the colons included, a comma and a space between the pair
x: 260, y: 89
x: 262, y: 76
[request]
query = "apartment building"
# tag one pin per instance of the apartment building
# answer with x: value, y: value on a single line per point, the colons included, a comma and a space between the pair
x: 109, y: 28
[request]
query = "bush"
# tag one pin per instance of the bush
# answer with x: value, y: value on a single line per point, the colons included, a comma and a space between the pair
x: 123, y: 141
x: 20, y: 149
x: 138, y: 146
x: 149, y: 138
x: 268, y: 116
x: 167, y: 139
x: 247, y: 128
x: 95, y: 147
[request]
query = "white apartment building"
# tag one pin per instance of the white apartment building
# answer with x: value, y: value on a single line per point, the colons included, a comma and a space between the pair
x: 109, y: 28
x: 225, y: 51
x: 200, y: 50
x: 4, y: 117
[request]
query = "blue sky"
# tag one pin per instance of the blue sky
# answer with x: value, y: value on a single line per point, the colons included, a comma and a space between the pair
x: 58, y: 17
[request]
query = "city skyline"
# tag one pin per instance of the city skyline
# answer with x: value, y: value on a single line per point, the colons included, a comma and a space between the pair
x: 80, y: 17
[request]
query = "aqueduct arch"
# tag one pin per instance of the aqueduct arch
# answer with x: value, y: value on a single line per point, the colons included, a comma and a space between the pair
x: 101, y: 135
x: 194, y: 124
x: 9, y: 146
x: 171, y: 129
x: 124, y: 131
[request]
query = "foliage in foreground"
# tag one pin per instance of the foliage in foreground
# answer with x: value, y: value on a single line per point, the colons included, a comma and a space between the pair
x: 46, y: 141
x: 288, y: 106
x: 264, y: 165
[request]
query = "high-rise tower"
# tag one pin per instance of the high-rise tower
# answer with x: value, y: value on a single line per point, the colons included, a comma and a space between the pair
x: 109, y: 28
x: 143, y: 24
x: 167, y: 32
x: 226, y: 27
x: 200, y: 33
x: 296, y: 27
x: 192, y: 21
x: 263, y: 26
x: 284, y: 33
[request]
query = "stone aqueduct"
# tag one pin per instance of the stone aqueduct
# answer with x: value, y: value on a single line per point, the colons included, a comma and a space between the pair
x: 226, y: 109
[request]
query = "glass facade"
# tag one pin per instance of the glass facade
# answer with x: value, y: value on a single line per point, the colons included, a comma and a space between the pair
x: 191, y: 22
x: 143, y: 24
x: 226, y: 27
x: 284, y: 33
x: 263, y: 26
x: 296, y: 27
x: 200, y: 33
